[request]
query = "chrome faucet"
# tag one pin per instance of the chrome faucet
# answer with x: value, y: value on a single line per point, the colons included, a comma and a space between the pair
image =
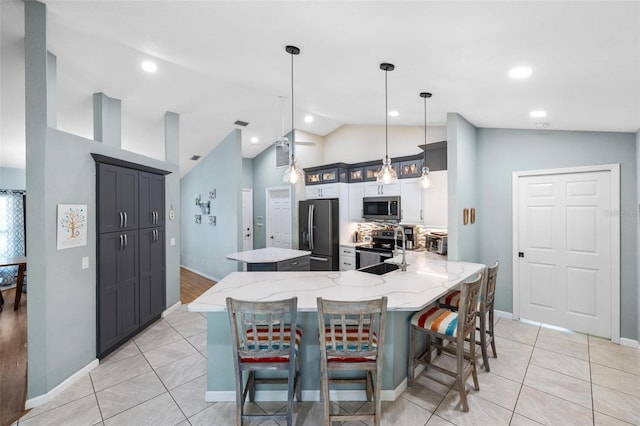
x: 403, y: 265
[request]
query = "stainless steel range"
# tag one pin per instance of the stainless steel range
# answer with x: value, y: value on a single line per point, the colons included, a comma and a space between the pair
x: 381, y: 248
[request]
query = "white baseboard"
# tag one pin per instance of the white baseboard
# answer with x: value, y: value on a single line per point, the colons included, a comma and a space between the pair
x: 171, y: 309
x: 629, y: 342
x: 503, y: 314
x: 308, y: 395
x: 195, y: 271
x: 43, y: 399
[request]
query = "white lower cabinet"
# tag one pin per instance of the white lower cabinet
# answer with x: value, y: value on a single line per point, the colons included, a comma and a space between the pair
x: 347, y: 258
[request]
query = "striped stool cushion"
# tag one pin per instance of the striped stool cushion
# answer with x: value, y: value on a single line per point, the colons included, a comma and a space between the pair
x: 453, y: 299
x: 263, y: 336
x: 437, y: 319
x: 352, y: 344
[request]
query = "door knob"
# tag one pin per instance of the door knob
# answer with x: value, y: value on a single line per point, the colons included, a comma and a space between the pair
x: 271, y: 237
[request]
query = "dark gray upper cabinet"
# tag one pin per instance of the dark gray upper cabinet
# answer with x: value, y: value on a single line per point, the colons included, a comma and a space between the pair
x: 117, y: 289
x: 151, y: 199
x: 117, y: 198
x: 152, y: 273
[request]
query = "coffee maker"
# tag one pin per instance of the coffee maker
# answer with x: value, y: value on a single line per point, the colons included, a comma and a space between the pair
x: 410, y: 235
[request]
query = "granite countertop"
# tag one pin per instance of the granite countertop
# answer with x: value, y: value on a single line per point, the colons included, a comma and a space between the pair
x: 267, y: 255
x: 424, y: 282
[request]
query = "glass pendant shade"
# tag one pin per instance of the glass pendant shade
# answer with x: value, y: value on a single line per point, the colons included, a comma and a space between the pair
x: 293, y: 174
x: 424, y: 181
x: 386, y: 174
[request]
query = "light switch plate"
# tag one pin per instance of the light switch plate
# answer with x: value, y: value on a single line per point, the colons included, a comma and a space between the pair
x: 172, y: 241
x: 85, y: 262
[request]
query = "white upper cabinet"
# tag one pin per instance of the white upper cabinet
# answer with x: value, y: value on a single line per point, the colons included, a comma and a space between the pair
x: 411, y: 201
x: 375, y: 189
x: 329, y: 190
x: 356, y: 192
x: 435, y: 201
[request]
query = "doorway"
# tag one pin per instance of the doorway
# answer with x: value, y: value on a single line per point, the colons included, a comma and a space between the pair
x: 566, y: 235
x: 278, y: 217
x: 247, y: 219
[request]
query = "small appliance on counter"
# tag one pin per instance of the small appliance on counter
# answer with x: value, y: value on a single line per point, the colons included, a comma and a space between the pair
x: 436, y: 241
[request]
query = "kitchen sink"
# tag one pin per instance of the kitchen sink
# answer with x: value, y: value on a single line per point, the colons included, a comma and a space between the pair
x: 380, y: 268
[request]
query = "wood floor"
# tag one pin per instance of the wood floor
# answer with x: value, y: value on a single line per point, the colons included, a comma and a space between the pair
x: 13, y: 344
x: 13, y: 358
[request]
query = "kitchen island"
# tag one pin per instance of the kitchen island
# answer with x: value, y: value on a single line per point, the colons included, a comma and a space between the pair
x: 423, y: 283
x: 273, y: 259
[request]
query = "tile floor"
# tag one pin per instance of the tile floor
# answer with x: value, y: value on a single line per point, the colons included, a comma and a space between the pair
x: 542, y: 376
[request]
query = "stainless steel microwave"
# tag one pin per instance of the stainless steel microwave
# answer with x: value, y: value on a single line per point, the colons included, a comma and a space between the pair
x: 381, y: 208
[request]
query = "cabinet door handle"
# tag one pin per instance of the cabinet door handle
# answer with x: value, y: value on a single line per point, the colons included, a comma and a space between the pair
x: 421, y: 212
x: 294, y: 263
x: 126, y: 241
x: 125, y: 219
x: 347, y: 263
x: 121, y: 242
x: 121, y: 219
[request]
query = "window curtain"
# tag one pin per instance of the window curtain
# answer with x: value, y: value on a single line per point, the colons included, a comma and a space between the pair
x: 12, y: 231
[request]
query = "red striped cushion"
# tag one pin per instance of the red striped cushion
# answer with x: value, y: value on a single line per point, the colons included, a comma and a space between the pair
x: 437, y: 319
x: 352, y: 344
x: 453, y: 299
x: 263, y: 336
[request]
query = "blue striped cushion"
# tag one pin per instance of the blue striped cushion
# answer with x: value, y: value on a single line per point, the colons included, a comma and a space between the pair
x: 263, y: 335
x: 352, y: 343
x: 437, y: 319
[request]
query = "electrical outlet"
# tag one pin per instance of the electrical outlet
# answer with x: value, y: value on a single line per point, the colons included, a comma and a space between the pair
x: 172, y: 241
x: 85, y: 262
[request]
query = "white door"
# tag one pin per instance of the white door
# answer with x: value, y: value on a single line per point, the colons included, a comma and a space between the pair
x: 278, y: 232
x: 565, y: 250
x: 247, y: 219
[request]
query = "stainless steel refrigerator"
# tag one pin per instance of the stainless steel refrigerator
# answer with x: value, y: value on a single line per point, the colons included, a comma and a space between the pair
x: 318, y: 232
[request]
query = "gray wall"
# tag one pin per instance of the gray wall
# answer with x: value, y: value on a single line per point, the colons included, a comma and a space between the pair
x: 205, y: 247
x: 247, y: 172
x: 266, y: 175
x: 61, y: 315
x: 501, y: 152
x: 12, y: 178
x: 463, y: 190
x: 638, y: 228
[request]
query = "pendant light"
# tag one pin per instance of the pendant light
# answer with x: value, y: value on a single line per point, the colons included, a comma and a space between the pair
x: 386, y: 174
x: 425, y: 181
x: 293, y: 174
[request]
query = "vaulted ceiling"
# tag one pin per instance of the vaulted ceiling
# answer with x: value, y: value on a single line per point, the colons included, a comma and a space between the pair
x: 222, y: 61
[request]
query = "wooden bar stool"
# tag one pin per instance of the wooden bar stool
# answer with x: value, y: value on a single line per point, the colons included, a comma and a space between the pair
x: 485, y: 309
x: 444, y: 324
x: 351, y: 338
x: 263, y: 333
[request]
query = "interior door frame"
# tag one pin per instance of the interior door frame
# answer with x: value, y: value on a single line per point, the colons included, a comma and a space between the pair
x: 250, y: 191
x: 614, y: 170
x: 268, y: 212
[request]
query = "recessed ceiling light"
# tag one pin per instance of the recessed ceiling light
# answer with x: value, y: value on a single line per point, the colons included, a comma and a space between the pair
x: 254, y: 139
x: 520, y: 72
x: 394, y: 113
x: 538, y: 113
x: 149, y: 66
x: 308, y: 119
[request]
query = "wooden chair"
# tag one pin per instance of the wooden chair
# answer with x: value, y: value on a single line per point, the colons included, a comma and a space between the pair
x: 351, y: 338
x: 263, y: 333
x: 485, y: 309
x: 445, y: 324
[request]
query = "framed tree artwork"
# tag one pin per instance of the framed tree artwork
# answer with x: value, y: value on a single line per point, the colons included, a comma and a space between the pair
x: 72, y: 225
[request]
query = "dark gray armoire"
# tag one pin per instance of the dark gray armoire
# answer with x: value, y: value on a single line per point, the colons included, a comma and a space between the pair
x: 131, y: 276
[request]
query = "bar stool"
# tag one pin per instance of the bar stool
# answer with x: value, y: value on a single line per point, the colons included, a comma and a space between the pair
x: 263, y: 333
x: 445, y: 324
x: 485, y: 308
x: 351, y: 338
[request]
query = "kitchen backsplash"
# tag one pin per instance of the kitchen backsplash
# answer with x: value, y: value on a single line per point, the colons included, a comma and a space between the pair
x: 364, y: 232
